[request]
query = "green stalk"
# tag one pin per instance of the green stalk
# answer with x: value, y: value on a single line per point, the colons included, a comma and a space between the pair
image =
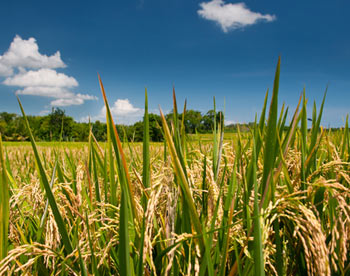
x: 314, y: 133
x: 215, y: 142
x: 345, y: 138
x: 94, y: 167
x: 43, y: 218
x: 180, y: 175
x: 127, y: 196
x: 113, y: 184
x: 4, y: 205
x: 183, y: 180
x: 258, y: 247
x: 227, y: 218
x: 93, y: 258
x: 145, y: 180
x: 270, y: 139
x: 146, y: 159
x: 83, y: 269
x: 304, y: 149
x: 204, y: 211
x: 58, y: 218
x: 261, y: 126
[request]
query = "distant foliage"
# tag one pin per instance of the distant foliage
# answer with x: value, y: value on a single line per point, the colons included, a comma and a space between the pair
x: 57, y: 125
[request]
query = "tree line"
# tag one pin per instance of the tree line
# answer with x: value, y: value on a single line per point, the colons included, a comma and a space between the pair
x: 57, y: 126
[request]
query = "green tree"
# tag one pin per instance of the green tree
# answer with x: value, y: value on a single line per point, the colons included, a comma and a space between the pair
x: 99, y: 130
x: 155, y: 132
x: 207, y: 122
x: 56, y: 118
x: 192, y: 120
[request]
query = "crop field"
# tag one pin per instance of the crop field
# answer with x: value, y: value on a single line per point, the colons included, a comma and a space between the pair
x: 271, y: 201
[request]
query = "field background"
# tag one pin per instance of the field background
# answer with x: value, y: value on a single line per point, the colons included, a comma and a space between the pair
x: 274, y: 200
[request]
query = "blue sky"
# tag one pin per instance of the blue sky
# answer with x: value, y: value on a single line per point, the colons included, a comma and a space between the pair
x: 221, y: 48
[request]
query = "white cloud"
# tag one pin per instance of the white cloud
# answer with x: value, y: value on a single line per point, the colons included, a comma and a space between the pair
x: 4, y: 69
x: 67, y: 102
x: 25, y: 53
x: 23, y: 66
x: 46, y: 91
x: 77, y: 99
x: 42, y: 77
x: 86, y: 97
x: 230, y: 122
x: 231, y: 16
x: 123, y: 112
x: 123, y: 107
x: 63, y: 96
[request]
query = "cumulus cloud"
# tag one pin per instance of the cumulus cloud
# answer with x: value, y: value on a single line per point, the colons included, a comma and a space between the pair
x: 25, y: 53
x: 41, y: 77
x: 231, y: 16
x: 4, y: 69
x: 24, y: 66
x: 123, y: 107
x: 123, y: 112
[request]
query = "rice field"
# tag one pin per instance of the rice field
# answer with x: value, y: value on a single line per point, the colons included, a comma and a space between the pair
x: 273, y: 201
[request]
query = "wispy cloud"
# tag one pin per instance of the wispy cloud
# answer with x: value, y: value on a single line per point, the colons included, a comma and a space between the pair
x: 231, y: 16
x: 76, y: 99
x: 24, y: 66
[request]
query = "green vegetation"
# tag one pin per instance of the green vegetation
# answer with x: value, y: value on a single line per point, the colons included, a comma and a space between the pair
x: 273, y: 200
x: 57, y: 126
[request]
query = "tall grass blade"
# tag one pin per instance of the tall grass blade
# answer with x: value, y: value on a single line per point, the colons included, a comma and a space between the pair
x: 304, y: 148
x: 345, y: 141
x: 270, y: 138
x: 4, y: 205
x: 187, y: 197
x: 146, y: 169
x: 127, y: 196
x: 181, y: 175
x: 83, y: 269
x: 262, y: 124
x: 95, y: 173
x: 145, y: 181
x: 258, y: 250
x: 58, y: 218
x: 122, y: 167
x: 215, y: 142
x: 314, y: 134
x: 227, y: 218
x: 43, y: 217
x: 93, y: 257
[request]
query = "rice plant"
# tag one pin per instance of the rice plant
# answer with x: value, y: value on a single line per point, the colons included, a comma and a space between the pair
x: 273, y: 201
